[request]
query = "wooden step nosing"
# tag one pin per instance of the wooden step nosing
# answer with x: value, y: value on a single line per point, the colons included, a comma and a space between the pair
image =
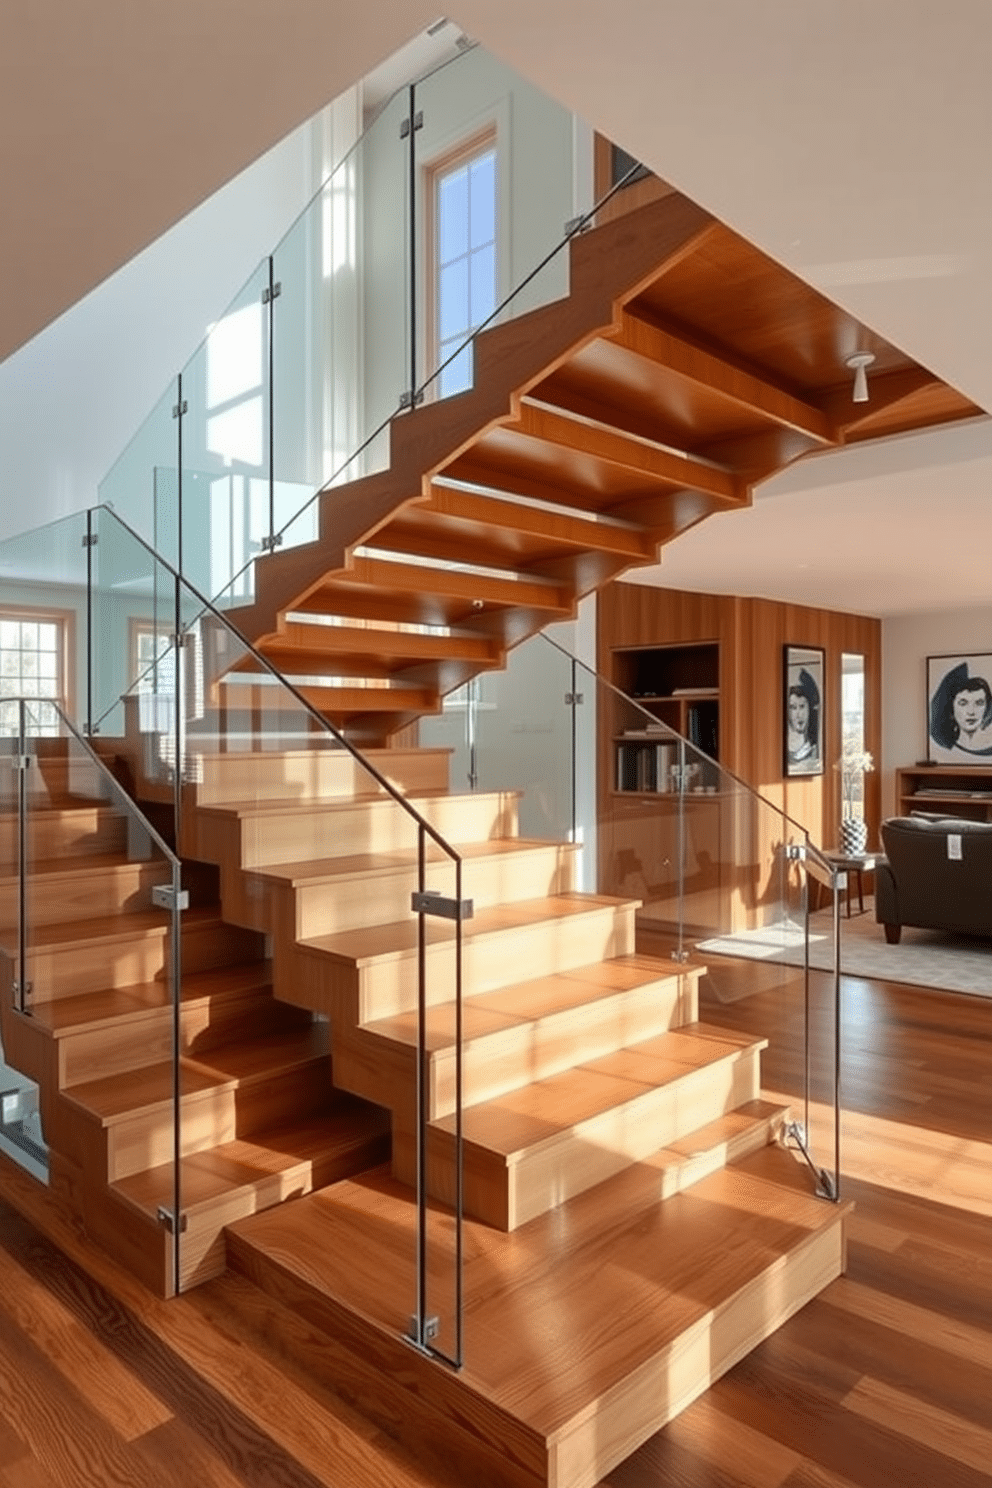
x: 521, y: 1027
x: 151, y: 1108
x: 445, y: 942
x: 528, y: 848
x: 579, y: 1131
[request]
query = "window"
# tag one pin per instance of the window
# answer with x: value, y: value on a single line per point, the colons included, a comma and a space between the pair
x: 463, y: 194
x: 151, y: 643
x: 32, y: 665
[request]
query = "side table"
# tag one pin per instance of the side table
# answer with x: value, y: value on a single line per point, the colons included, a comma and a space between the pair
x: 856, y: 865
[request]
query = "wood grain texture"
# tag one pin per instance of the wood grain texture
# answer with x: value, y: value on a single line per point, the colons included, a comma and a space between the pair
x: 913, y: 1312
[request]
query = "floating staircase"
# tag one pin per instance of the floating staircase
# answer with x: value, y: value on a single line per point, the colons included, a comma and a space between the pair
x: 683, y: 367
x: 635, y: 1224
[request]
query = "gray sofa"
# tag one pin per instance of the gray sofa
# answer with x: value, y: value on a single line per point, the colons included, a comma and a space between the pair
x: 921, y: 884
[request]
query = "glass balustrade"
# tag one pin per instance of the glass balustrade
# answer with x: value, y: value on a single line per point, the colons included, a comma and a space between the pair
x: 450, y: 215
x: 725, y: 883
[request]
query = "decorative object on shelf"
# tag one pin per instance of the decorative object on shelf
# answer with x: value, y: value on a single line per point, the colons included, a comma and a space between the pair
x: 854, y: 764
x: 802, y: 715
x: 959, y: 708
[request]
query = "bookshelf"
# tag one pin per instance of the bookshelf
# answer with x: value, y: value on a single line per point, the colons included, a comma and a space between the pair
x: 950, y: 790
x: 680, y: 687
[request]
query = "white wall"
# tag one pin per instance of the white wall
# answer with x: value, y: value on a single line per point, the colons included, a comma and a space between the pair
x: 907, y: 640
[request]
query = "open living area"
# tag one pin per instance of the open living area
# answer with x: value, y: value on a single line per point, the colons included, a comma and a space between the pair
x: 496, y: 764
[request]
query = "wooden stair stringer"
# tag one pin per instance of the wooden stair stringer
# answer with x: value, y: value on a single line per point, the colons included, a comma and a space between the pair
x: 606, y: 271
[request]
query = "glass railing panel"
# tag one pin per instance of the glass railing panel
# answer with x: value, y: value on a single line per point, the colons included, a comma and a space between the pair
x: 21, y: 1129
x: 720, y: 875
x: 827, y: 993
x: 512, y: 730
x: 227, y: 498
x: 315, y: 845
x: 132, y: 609
x: 496, y: 181
x: 103, y: 941
x: 142, y: 486
x: 341, y: 324
x: 43, y: 618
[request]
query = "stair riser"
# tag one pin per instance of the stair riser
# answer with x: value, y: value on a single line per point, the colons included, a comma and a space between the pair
x: 146, y: 1139
x: 664, y: 1385
x: 119, y: 1047
x: 68, y: 834
x: 507, y: 1195
x: 79, y: 967
x: 506, y: 878
x: 495, y: 960
x: 68, y: 971
x: 315, y: 776
x: 204, y: 1248
x: 367, y: 827
x: 383, y: 1071
x: 97, y: 891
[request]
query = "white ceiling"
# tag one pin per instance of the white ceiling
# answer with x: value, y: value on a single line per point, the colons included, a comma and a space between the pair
x: 848, y: 140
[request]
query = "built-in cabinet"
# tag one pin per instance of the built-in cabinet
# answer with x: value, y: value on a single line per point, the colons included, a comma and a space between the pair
x: 679, y: 686
x: 947, y: 790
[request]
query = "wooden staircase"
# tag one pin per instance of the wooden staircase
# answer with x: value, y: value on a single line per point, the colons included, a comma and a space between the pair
x: 598, y: 1109
x: 683, y: 367
x: 260, y: 1119
x: 635, y: 1223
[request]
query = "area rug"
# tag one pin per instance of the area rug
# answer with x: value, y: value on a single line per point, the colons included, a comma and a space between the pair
x: 923, y: 958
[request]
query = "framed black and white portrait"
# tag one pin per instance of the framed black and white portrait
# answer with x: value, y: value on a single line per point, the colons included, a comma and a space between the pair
x: 959, y: 709
x: 802, y: 722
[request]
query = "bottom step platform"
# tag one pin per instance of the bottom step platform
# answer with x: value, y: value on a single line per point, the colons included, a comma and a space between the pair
x: 585, y: 1331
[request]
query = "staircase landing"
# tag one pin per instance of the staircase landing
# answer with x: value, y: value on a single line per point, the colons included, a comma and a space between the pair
x: 585, y: 1330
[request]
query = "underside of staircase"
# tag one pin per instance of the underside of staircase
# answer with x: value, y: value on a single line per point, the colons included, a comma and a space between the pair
x: 634, y: 1221
x: 683, y: 367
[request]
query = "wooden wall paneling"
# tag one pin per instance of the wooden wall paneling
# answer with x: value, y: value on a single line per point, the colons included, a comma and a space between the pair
x: 751, y: 633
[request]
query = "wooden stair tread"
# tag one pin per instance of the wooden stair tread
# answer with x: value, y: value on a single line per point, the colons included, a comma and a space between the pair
x: 488, y: 517
x: 607, y: 1288
x: 100, y: 862
x: 286, y: 806
x: 240, y: 691
x: 289, y: 1152
x: 264, y: 1057
x: 525, y: 1002
x: 120, y: 1096
x: 379, y: 942
x: 400, y: 860
x: 374, y: 570
x: 118, y: 1004
x: 310, y: 648
x: 549, y: 1110
x: 126, y: 926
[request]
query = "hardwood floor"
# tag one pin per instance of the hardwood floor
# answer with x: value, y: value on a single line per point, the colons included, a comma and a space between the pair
x: 884, y: 1381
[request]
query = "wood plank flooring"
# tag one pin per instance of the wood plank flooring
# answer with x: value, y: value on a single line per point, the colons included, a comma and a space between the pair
x: 884, y: 1381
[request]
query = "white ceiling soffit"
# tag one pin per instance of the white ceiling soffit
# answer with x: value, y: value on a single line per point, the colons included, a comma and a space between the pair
x: 883, y: 529
x: 117, y: 118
